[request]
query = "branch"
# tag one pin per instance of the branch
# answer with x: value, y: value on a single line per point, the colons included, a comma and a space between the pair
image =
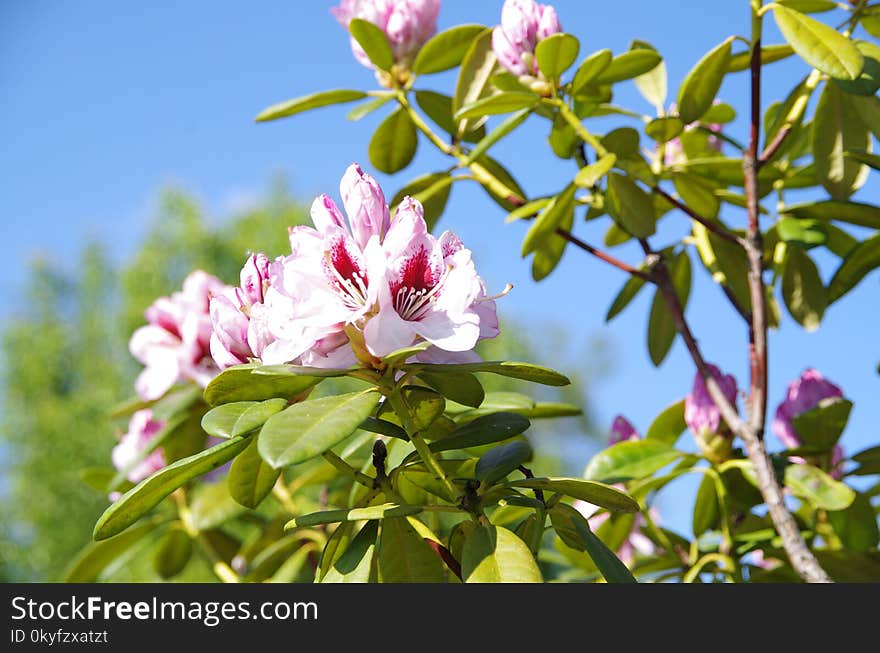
x: 711, y: 225
x: 603, y: 256
x: 774, y: 145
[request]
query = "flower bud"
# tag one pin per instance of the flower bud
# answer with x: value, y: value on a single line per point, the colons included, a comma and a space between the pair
x: 523, y: 24
x: 254, y: 278
x: 622, y: 430
x: 365, y: 205
x: 703, y: 417
x: 804, y: 393
x: 142, y: 428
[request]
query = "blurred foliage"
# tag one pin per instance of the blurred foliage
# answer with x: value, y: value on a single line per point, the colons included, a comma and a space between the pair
x: 66, y: 364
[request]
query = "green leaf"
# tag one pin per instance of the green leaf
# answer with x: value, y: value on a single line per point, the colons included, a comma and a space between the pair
x: 373, y: 41
x: 97, y: 556
x: 548, y: 255
x: 809, y: 6
x: 867, y: 109
x: 506, y: 102
x: 382, y: 511
x: 493, y: 554
x: 556, y: 54
x: 821, y: 426
x: 355, y: 564
x: 473, y: 77
x: 311, y: 427
x: 769, y: 54
x: 528, y: 210
x: 425, y: 405
x: 432, y: 190
x: 438, y: 108
x: 592, y: 173
x: 522, y: 371
x: 631, y: 459
x: 823, y: 47
x: 805, y: 233
x: 308, y: 102
x: 497, y: 134
x: 702, y: 83
x: 463, y: 388
x: 211, y: 506
x: 366, y: 108
x: 835, y: 133
x: 500, y: 173
x: 498, y: 462
x: 661, y: 324
x: 496, y: 427
x: 668, y: 426
x: 240, y: 417
x: 664, y: 129
x: 869, y: 81
x: 652, y: 84
x: 630, y: 289
x: 383, y: 427
x: 863, y: 215
x: 856, y: 526
x: 630, y: 206
x: 549, y: 219
x: 589, y: 70
x: 623, y: 141
x: 706, y: 512
x: 608, y: 564
x: 872, y: 160
x: 172, y: 553
x: 242, y: 383
x: 862, y: 260
x: 405, y: 557
x: 593, y: 492
x: 446, y: 49
x: 802, y: 289
x: 818, y: 488
x: 839, y: 242
x: 628, y: 65
x: 250, y: 478
x: 394, y: 143
x: 147, y: 494
x: 698, y: 193
x: 719, y: 112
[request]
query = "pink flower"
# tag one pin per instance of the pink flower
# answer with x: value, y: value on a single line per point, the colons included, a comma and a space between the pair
x: 803, y: 394
x: 407, y: 24
x: 523, y: 24
x: 622, y: 430
x: 700, y: 412
x: 142, y: 428
x: 174, y: 346
x: 385, y: 283
x: 238, y: 317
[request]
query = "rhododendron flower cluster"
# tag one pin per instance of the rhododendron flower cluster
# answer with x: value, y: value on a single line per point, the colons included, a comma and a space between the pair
x: 523, y: 24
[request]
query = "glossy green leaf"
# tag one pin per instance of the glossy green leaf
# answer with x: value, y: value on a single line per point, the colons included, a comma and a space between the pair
x: 863, y: 215
x: 502, y: 130
x: 383, y: 427
x: 769, y: 54
x: 702, y: 83
x: 839, y: 242
x: 500, y: 461
x: 528, y: 210
x: 805, y: 233
x: 652, y: 84
x: 487, y: 429
x: 593, y: 492
x: 629, y: 65
x: 608, y: 564
x: 706, y: 511
x: 862, y: 260
x: 355, y: 564
x: 250, y: 478
x: 463, y: 388
x: 697, y: 193
x: 661, y: 324
x: 211, y: 505
x: 373, y: 42
x: 719, y: 112
x: 173, y: 552
x: 148, y: 493
x: 493, y: 554
x: 821, y: 46
x: 630, y: 206
x: 664, y: 129
x: 506, y: 102
x: 818, y: 488
x: 868, y: 82
x: 821, y: 426
x: 668, y: 426
x: 631, y: 459
x: 382, y: 511
x: 310, y: 428
x: 366, y: 108
x: 590, y: 69
x: 425, y: 405
x: 589, y: 175
x: 630, y: 289
x: 499, y: 172
x: 240, y: 417
x: 394, y: 143
x: 835, y: 133
x: 242, y: 383
x: 438, y: 107
x: 523, y: 371
x: 89, y: 563
x: 556, y: 53
x: 623, y: 142
x: 405, y: 557
x: 308, y: 102
x: 872, y: 160
x: 473, y: 78
x: 856, y: 526
x: 802, y: 289
x: 548, y: 220
x: 432, y: 190
x: 446, y: 49
x: 809, y: 6
x: 547, y: 256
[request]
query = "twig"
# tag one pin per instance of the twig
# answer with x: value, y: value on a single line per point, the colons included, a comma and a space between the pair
x: 603, y: 256
x: 711, y: 225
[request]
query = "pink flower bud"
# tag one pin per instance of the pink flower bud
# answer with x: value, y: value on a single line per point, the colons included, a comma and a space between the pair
x: 365, y: 205
x: 142, y: 428
x: 803, y: 394
x: 254, y: 277
x: 523, y: 24
x: 700, y: 412
x: 622, y: 430
x: 407, y: 24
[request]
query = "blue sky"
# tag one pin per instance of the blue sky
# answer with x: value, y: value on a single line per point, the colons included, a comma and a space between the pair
x: 105, y: 104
